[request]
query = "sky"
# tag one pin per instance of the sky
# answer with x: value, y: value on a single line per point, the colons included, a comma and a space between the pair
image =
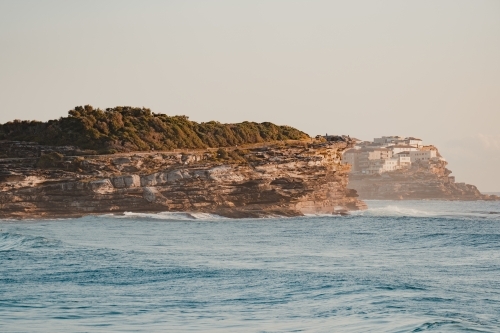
x: 428, y: 69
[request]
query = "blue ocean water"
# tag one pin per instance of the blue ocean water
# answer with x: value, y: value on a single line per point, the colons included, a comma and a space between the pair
x: 413, y: 266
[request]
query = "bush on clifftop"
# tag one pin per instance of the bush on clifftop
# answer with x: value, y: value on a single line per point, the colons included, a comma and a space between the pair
x: 125, y: 128
x: 49, y: 160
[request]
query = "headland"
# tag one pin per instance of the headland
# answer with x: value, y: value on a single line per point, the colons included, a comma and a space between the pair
x: 240, y: 170
x: 403, y: 168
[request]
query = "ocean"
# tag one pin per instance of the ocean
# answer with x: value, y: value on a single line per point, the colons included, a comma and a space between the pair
x: 406, y: 266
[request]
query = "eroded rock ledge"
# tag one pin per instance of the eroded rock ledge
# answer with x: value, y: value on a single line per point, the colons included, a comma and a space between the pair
x: 286, y: 179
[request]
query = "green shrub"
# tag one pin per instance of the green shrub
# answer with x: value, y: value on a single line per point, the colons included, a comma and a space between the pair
x: 126, y: 128
x: 236, y: 157
x: 49, y: 160
x: 221, y: 153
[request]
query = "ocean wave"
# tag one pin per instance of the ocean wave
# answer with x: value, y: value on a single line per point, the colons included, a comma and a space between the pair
x: 384, y: 211
x: 13, y: 241
x: 400, y: 211
x: 392, y: 210
x: 324, y: 215
x: 170, y: 216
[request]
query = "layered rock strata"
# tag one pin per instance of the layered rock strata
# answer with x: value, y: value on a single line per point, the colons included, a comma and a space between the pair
x: 286, y: 179
x: 429, y: 180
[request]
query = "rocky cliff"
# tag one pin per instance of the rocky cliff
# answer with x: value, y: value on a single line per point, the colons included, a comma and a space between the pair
x: 425, y: 180
x: 284, y: 178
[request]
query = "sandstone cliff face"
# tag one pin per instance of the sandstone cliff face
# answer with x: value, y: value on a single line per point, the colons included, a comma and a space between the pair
x: 282, y: 179
x: 422, y: 181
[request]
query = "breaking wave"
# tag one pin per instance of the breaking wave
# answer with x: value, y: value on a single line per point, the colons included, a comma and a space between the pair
x: 392, y: 210
x: 14, y: 241
x: 389, y: 210
x: 170, y: 216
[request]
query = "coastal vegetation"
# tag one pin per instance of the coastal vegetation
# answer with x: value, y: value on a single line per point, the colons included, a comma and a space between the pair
x: 126, y: 128
x: 50, y: 160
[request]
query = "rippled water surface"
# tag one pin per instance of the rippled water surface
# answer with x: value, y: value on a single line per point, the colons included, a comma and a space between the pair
x: 398, y: 267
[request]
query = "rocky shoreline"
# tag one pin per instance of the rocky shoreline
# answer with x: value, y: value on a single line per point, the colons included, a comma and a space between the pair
x: 422, y: 181
x: 272, y: 179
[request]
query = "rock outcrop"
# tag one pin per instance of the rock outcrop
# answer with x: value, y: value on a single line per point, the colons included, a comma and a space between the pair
x: 285, y: 179
x: 429, y: 180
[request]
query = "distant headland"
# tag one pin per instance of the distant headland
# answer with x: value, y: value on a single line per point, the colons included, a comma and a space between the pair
x: 396, y: 168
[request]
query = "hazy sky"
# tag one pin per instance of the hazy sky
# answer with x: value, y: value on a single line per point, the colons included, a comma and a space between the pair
x: 429, y: 69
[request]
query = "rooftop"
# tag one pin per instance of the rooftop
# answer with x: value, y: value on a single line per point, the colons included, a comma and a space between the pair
x: 402, y: 146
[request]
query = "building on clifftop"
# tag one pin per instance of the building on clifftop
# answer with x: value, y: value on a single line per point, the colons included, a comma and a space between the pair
x: 388, y: 153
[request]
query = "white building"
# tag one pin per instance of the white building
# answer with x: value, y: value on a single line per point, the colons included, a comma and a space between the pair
x: 396, y: 149
x: 411, y: 141
x: 381, y: 166
x: 388, y: 153
x: 387, y: 140
x: 367, y: 155
x: 351, y: 157
x: 391, y: 164
x: 422, y: 155
x: 404, y: 159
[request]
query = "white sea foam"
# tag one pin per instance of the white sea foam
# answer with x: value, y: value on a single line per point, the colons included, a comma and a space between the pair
x: 323, y: 215
x: 429, y: 209
x: 393, y: 210
x: 388, y: 210
x: 172, y: 216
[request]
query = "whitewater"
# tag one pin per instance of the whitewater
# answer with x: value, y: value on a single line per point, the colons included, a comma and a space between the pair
x: 405, y: 266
